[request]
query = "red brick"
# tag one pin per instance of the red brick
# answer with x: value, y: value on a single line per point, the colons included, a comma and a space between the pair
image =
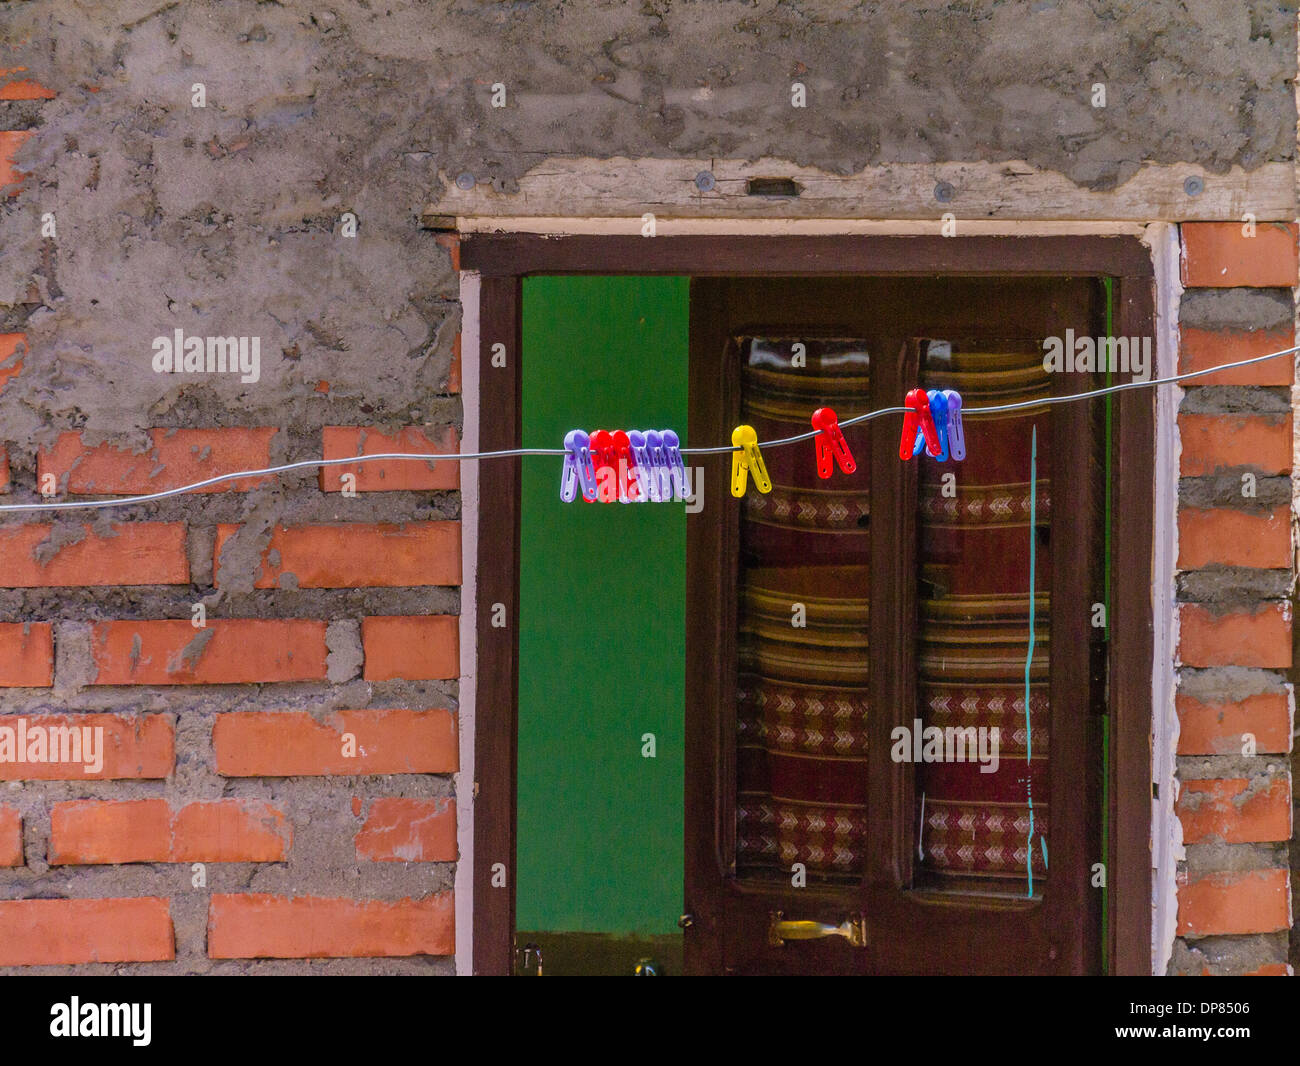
x: 1200, y: 349
x: 66, y: 932
x: 177, y: 457
x: 1254, y: 901
x: 293, y: 743
x: 262, y: 926
x: 137, y: 553
x: 88, y: 831
x: 10, y: 367
x: 1272, y: 969
x: 411, y: 647
x: 358, y: 555
x: 22, y: 88
x: 342, y: 442
x: 134, y: 746
x: 11, y: 837
x: 10, y: 142
x: 1234, y: 538
x: 1221, y: 809
x: 409, y: 830
x: 229, y: 651
x: 1218, y: 728
x: 1215, y: 443
x: 1220, y: 255
x: 26, y: 655
x: 5, y: 485
x: 1236, y: 638
x: 232, y: 830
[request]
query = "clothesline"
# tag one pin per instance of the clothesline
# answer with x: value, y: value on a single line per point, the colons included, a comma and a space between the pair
x: 309, y: 464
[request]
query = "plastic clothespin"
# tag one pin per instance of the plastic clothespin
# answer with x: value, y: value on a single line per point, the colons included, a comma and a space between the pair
x: 645, y: 477
x: 830, y: 443
x: 605, y: 463
x: 625, y: 465
x: 939, y: 412
x: 918, y: 417
x: 578, y: 467
x: 676, y: 465
x: 749, y: 460
x: 956, y: 431
x: 939, y: 416
x: 657, y: 479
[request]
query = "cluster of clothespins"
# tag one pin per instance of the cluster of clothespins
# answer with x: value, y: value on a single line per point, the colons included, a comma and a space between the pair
x: 631, y: 467
x: 831, y: 447
x: 933, y: 424
x: 647, y: 467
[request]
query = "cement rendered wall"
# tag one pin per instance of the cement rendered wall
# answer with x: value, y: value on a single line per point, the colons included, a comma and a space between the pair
x: 226, y: 220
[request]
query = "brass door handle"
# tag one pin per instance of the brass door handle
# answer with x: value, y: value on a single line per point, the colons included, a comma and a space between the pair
x: 528, y: 951
x: 779, y: 930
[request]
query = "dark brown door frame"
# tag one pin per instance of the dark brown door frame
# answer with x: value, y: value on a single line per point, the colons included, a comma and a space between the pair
x: 504, y: 259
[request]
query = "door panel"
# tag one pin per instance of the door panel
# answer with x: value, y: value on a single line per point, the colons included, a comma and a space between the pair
x: 601, y: 638
x: 911, y: 606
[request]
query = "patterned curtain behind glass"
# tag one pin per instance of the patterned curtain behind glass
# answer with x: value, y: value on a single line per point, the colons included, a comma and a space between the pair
x: 802, y: 689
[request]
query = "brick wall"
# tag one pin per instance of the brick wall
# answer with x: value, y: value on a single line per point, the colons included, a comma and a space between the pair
x: 275, y: 783
x: 1234, y: 585
x: 272, y: 666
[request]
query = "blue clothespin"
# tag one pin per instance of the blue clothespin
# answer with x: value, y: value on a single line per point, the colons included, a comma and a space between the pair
x: 676, y: 464
x: 939, y: 415
x: 939, y: 412
x: 578, y: 467
x: 956, y: 431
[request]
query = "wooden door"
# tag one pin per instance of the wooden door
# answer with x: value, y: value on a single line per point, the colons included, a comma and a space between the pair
x: 826, y: 616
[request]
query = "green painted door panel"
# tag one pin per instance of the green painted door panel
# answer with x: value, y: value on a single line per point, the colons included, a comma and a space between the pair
x: 602, y: 633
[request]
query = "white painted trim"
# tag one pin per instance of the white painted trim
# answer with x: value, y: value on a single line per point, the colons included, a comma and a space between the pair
x: 1166, y: 830
x: 464, y: 778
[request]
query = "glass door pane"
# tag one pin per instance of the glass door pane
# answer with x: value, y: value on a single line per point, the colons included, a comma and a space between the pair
x: 803, y: 666
x: 984, y: 531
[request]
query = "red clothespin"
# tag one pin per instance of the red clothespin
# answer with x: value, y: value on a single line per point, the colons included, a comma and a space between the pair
x: 830, y: 443
x: 918, y: 417
x: 626, y: 467
x: 606, y: 463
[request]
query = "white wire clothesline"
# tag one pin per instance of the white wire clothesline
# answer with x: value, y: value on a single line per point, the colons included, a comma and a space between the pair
x: 309, y: 464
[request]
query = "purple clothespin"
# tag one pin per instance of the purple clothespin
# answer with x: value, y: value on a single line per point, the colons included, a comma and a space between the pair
x: 578, y: 467
x: 676, y: 465
x: 645, y: 474
x: 956, y: 431
x: 660, y: 491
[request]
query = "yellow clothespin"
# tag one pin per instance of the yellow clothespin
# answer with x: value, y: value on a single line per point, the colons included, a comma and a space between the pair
x: 747, y: 461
